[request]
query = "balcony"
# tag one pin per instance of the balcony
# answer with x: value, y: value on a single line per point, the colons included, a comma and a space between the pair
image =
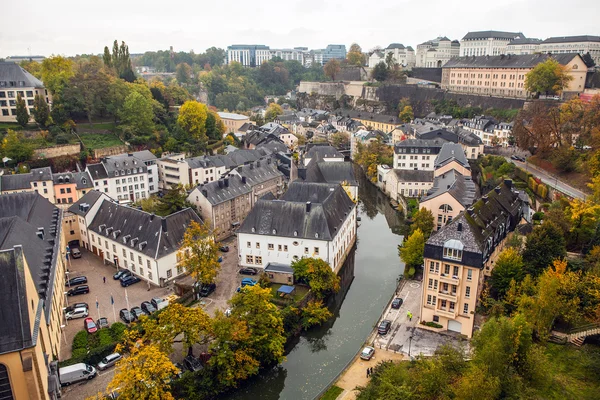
x: 447, y: 295
x: 446, y: 312
x: 449, y: 278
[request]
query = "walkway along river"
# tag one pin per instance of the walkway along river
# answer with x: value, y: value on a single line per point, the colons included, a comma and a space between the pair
x: 369, y: 277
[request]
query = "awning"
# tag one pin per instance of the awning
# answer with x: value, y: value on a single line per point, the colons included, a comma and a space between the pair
x: 285, y: 289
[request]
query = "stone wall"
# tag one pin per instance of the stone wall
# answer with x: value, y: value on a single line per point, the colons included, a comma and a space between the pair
x: 110, y: 151
x: 57, y: 151
x: 427, y: 74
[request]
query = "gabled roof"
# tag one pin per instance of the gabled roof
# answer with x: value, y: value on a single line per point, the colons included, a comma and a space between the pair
x: 412, y: 175
x: 435, y: 144
x: 259, y: 172
x: 223, y: 190
x: 23, y: 181
x: 144, y: 155
x: 395, y: 46
x: 97, y: 171
x: 331, y: 172
x: 12, y: 72
x: 508, y: 61
x: 89, y: 199
x: 322, y: 152
x: 451, y: 152
x: 237, y: 117
x: 492, y: 34
x: 458, y: 186
x: 572, y: 39
x: 81, y: 179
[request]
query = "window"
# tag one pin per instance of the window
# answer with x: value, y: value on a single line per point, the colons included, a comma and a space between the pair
x: 249, y: 259
x: 271, y: 246
x: 149, y: 275
x: 468, y: 292
x: 279, y: 247
x: 169, y: 273
x: 257, y: 245
x: 436, y: 318
x: 124, y: 253
x: 131, y: 256
x: 179, y: 269
x: 258, y: 260
x: 140, y: 260
x: 455, y: 271
x: 469, y: 274
x: 114, y: 248
x: 316, y: 251
x: 285, y: 248
x: 306, y: 250
x: 466, y: 308
x: 443, y: 305
x: 434, y: 268
x: 148, y: 263
x: 248, y: 244
x: 429, y: 300
x: 106, y: 244
x: 133, y: 267
x: 430, y: 285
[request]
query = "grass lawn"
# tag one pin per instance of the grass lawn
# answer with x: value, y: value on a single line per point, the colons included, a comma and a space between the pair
x: 297, y: 295
x: 99, y: 141
x: 110, y: 126
x: 332, y: 393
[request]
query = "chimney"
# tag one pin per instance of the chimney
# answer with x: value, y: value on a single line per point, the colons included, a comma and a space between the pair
x: 152, y: 217
x: 470, y: 210
x: 243, y: 180
x: 497, y: 190
x: 204, y: 192
x: 308, y: 205
x: 268, y: 160
x: 257, y: 163
x: 302, y: 173
x: 226, y: 182
x: 459, y: 227
x: 129, y: 154
x: 252, y: 166
x: 239, y: 169
x: 163, y: 222
x: 508, y: 183
x: 220, y: 184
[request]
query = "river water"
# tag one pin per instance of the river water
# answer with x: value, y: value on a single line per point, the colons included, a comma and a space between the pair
x: 368, y: 279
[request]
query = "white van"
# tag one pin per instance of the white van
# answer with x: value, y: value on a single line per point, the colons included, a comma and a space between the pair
x: 75, y: 373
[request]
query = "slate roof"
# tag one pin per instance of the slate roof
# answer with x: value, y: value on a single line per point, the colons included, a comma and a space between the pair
x: 492, y: 34
x: 322, y: 152
x: 144, y: 155
x: 259, y: 172
x: 247, y: 126
x: 572, y: 39
x: 458, y: 186
x: 90, y: 198
x: 154, y: 236
x: 395, y: 46
x: 329, y: 207
x: 411, y: 175
x: 82, y: 179
x: 435, y: 144
x: 97, y: 171
x: 220, y: 191
x: 331, y: 172
x: 123, y: 163
x: 525, y: 41
x: 12, y: 72
x: 226, y: 115
x: 277, y: 267
x: 507, y: 61
x: 451, y: 152
x: 23, y: 181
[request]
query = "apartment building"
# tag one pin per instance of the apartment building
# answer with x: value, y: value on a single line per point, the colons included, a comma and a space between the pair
x: 249, y: 55
x: 436, y: 52
x: 122, y: 177
x: 407, y: 183
x: 149, y: 160
x: 233, y: 122
x: 460, y: 254
x: 573, y: 44
x: 504, y: 75
x: 15, y: 81
x: 523, y: 46
x: 38, y: 180
x: 321, y: 152
x: 263, y: 177
x: 470, y: 142
x: 204, y: 169
x: 173, y: 170
x: 416, y: 154
x: 487, y: 43
x: 71, y: 186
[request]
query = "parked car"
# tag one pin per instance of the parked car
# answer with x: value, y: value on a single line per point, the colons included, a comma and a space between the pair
x: 224, y: 249
x: 102, y: 323
x: 137, y: 312
x: 109, y: 361
x: 78, y: 280
x: 397, y: 302
x: 207, y: 289
x: 75, y: 253
x: 77, y: 313
x: 522, y: 159
x: 130, y: 280
x: 192, y: 364
x: 159, y: 303
x: 82, y: 289
x: 220, y: 259
x: 90, y: 325
x: 248, y: 271
x: 121, y: 273
x: 76, y: 305
x: 75, y: 373
x: 148, y: 308
x: 513, y: 157
x: 384, y: 327
x: 367, y: 353
x: 126, y: 316
x: 248, y: 282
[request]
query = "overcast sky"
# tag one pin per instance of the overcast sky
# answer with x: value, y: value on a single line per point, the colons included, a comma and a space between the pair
x: 68, y: 27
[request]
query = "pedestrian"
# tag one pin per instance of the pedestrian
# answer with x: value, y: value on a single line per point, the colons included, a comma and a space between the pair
x: 104, y: 279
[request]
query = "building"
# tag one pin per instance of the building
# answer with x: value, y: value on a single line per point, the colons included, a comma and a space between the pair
x: 404, y: 56
x: 263, y: 177
x: 150, y: 160
x: 129, y: 238
x: 403, y: 182
x: 122, y: 177
x: 71, y: 186
x: 487, y: 43
x: 452, y: 157
x: 233, y: 122
x: 38, y: 180
x: 295, y: 54
x: 375, y: 58
x: 365, y: 137
x: 249, y: 55
x: 32, y: 265
x: 173, y: 170
x: 436, y: 52
x: 280, y: 273
x: 20, y: 59
x: 332, y: 172
x: 310, y: 220
x: 523, y: 46
x: 321, y: 152
x: 337, y: 51
x: 382, y: 122
x: 416, y: 154
x: 457, y: 258
x: 504, y: 75
x: 15, y: 81
x: 471, y: 143
x: 573, y: 44
x: 204, y: 169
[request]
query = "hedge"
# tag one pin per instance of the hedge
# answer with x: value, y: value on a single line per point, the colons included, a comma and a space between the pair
x: 92, y: 348
x: 80, y: 341
x: 431, y: 324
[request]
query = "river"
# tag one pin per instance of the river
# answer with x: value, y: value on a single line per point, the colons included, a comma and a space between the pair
x: 369, y: 277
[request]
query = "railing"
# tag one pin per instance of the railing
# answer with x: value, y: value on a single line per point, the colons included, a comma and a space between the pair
x: 446, y: 313
x: 584, y: 328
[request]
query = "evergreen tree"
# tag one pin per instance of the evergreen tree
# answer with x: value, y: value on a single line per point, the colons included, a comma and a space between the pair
x: 107, y: 58
x: 41, y: 112
x: 22, y: 114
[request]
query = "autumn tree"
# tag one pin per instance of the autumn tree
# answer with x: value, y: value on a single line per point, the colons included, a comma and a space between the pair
x: 548, y: 77
x: 314, y: 313
x: 318, y: 274
x: 22, y: 113
x: 199, y: 253
x: 41, y: 111
x: 137, y: 115
x: 183, y: 73
x: 332, y: 68
x: 273, y: 110
x: 406, y: 115
x: 340, y: 140
x: 545, y: 244
x: 423, y: 220
x: 582, y: 216
x: 355, y: 56
x: 15, y: 147
x: 508, y: 267
x: 192, y: 119
x: 56, y: 72
x: 411, y: 251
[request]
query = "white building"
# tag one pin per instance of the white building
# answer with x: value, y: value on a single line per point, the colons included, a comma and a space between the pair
x: 14, y: 82
x: 435, y: 53
x: 123, y: 177
x: 523, y: 46
x: 416, y: 154
x: 173, y: 171
x: 487, y: 43
x: 573, y: 44
x: 150, y: 160
x: 289, y: 54
x: 252, y: 55
x: 310, y: 220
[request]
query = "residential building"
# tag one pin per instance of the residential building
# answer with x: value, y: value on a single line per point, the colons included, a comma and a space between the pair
x: 123, y: 177
x: 344, y: 124
x: 321, y: 152
x: 436, y: 52
x: 262, y: 176
x: 487, y: 43
x: 416, y: 154
x: 451, y: 157
x: 460, y: 254
x: 15, y: 81
x: 573, y: 44
x: 233, y: 122
x: 204, y: 169
x: 490, y: 131
x: 382, y: 122
x: 150, y: 160
x: 523, y: 46
x: 20, y: 59
x: 375, y: 58
x: 310, y: 220
x: 173, y: 170
x: 404, y: 56
x: 504, y: 75
x: 471, y: 143
x: 403, y: 182
x: 32, y: 263
x: 132, y: 239
x: 332, y: 172
x: 249, y: 55
x: 71, y: 186
x: 38, y: 180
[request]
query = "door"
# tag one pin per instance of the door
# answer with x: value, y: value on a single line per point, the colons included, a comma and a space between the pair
x: 454, y: 326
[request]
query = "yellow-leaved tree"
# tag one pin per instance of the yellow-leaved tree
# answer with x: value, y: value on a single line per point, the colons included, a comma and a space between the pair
x: 199, y: 253
x: 192, y: 119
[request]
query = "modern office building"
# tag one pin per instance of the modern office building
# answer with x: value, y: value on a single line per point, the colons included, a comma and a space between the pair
x: 249, y: 55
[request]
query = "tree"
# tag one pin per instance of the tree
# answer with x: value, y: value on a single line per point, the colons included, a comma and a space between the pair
x: 424, y: 221
x: 106, y: 58
x: 56, y: 72
x: 390, y: 61
x: 192, y: 118
x: 120, y: 61
x: 548, y: 77
x: 477, y: 384
x: 272, y: 112
x: 509, y: 266
x: 22, y: 113
x: 41, y: 111
x: 318, y: 274
x: 406, y: 115
x: 332, y: 68
x: 355, y: 56
x: 411, y: 251
x: 582, y: 216
x: 314, y: 313
x: 340, y: 140
x: 199, y: 253
x: 175, y: 199
x: 137, y: 115
x: 88, y: 88
x: 380, y: 72
x: 145, y: 374
x: 215, y: 128
x: 545, y: 244
x: 15, y: 147
x: 183, y: 73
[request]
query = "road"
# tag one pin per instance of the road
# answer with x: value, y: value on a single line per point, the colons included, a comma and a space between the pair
x: 549, y: 179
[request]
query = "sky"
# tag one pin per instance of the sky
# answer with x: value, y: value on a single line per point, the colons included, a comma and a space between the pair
x: 67, y: 27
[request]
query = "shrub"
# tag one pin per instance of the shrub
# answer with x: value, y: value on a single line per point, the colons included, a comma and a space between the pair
x: 431, y: 324
x: 538, y: 216
x: 410, y: 273
x: 104, y: 337
x: 79, y: 353
x: 117, y: 329
x: 80, y: 341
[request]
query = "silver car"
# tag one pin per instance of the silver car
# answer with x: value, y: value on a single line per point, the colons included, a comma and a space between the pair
x: 109, y: 361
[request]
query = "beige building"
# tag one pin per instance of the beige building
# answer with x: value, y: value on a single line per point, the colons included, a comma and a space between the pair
x: 523, y: 46
x: 233, y: 122
x: 457, y: 258
x: 172, y: 171
x: 15, y: 81
x: 436, y: 52
x: 38, y: 180
x: 504, y: 75
x: 487, y: 43
x: 573, y: 44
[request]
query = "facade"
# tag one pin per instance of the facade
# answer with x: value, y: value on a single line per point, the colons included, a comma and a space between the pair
x: 15, y: 81
x: 32, y: 254
x: 310, y: 220
x: 375, y: 58
x: 471, y: 143
x: 405, y: 56
x: 487, y: 43
x: 457, y: 258
x: 38, y: 180
x: 173, y: 170
x: 295, y: 54
x: 205, y: 169
x: 436, y: 52
x: 523, y: 46
x: 71, y: 186
x: 233, y: 122
x: 150, y: 160
x: 403, y: 182
x: 123, y: 177
x: 262, y: 176
x: 490, y: 131
x: 382, y: 122
x: 337, y: 51
x: 504, y: 75
x: 416, y: 154
x: 573, y: 44
x: 249, y: 55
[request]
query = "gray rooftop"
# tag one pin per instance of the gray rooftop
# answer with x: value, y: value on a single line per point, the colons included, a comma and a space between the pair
x: 458, y: 186
x: 507, y: 61
x: 15, y: 77
x: 492, y: 34
x: 277, y: 267
x: 322, y: 152
x: 411, y: 175
x: 525, y: 41
x: 572, y: 39
x: 90, y: 198
x: 331, y: 172
x: 451, y: 152
x: 23, y: 181
x: 259, y: 172
x: 82, y: 179
x: 223, y: 190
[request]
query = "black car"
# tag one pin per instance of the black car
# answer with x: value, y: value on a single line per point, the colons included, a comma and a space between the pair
x: 192, y: 364
x: 76, y: 305
x: 384, y: 327
x: 148, y: 308
x: 82, y: 289
x: 102, y: 323
x: 207, y: 289
x: 78, y: 280
x: 121, y: 273
x: 126, y: 316
x: 513, y: 157
x: 248, y: 271
x: 130, y: 280
x: 137, y: 312
x: 397, y: 302
x: 224, y: 249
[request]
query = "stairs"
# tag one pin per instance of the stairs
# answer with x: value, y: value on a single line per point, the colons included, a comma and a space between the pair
x: 577, y: 341
x: 578, y: 335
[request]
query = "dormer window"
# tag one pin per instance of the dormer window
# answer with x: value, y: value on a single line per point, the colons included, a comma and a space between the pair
x: 453, y: 249
x: 116, y: 173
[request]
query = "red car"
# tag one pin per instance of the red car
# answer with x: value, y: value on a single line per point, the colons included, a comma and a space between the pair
x: 90, y: 325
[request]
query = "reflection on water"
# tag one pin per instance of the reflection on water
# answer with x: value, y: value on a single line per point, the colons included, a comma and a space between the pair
x: 368, y: 279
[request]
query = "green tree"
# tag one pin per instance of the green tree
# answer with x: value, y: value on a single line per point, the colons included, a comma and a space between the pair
x: 192, y: 118
x: 509, y: 266
x: 411, y: 251
x: 22, y: 113
x: 314, y: 313
x: 41, y: 111
x: 545, y: 244
x: 56, y: 72
x: 199, y: 253
x: 424, y: 221
x: 548, y: 77
x: 355, y: 56
x: 380, y: 72
x: 340, y: 140
x: 406, y: 115
x: 137, y: 114
x: 477, y: 384
x: 106, y: 58
x: 15, y: 147
x: 272, y: 112
x: 183, y: 73
x: 120, y: 61
x: 332, y: 68
x: 88, y: 88
x: 318, y: 274
x: 175, y: 199
x: 215, y: 128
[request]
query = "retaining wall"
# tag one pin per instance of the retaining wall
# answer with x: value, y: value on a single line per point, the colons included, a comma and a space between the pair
x: 57, y: 151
